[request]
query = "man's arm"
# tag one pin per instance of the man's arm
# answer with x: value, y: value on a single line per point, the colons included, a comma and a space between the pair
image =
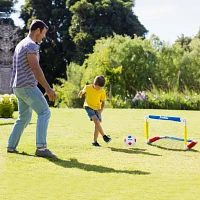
x: 39, y: 75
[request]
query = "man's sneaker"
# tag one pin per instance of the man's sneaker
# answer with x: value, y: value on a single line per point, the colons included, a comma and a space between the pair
x: 96, y: 144
x: 45, y: 153
x: 12, y: 150
x: 106, y: 138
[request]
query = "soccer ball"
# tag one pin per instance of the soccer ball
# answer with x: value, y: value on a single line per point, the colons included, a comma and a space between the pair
x: 130, y: 140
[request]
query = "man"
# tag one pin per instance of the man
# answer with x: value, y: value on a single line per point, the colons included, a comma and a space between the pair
x: 25, y: 77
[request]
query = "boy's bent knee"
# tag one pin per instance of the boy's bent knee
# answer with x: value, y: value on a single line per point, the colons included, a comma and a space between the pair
x: 95, y: 119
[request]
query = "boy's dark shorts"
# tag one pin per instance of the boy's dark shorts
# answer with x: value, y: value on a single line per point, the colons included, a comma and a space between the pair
x: 92, y: 113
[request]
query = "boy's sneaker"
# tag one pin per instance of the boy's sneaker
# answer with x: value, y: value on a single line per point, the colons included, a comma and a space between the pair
x: 45, y: 153
x: 96, y: 144
x: 12, y: 150
x: 106, y: 138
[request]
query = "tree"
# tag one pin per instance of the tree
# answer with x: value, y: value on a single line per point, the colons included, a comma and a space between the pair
x: 126, y: 63
x: 74, y: 26
x: 168, y: 73
x: 189, y: 65
x: 93, y: 19
x: 184, y: 42
x: 6, y: 7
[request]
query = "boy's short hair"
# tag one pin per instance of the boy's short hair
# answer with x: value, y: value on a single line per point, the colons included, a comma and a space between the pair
x: 99, y: 81
x: 36, y: 23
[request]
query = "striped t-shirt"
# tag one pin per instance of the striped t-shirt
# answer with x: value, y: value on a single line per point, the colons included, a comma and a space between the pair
x: 22, y: 75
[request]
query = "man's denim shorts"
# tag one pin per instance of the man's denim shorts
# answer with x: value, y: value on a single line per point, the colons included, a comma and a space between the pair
x: 92, y: 113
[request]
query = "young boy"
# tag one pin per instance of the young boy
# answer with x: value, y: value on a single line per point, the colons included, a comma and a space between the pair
x: 94, y: 105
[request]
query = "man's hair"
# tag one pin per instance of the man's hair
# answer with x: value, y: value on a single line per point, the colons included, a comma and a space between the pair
x: 36, y: 23
x: 99, y: 81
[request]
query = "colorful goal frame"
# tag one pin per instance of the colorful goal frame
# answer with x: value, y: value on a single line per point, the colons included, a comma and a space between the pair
x: 188, y: 144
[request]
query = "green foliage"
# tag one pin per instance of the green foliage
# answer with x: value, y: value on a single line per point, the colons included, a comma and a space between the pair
x: 189, y: 67
x: 123, y: 61
x: 170, y: 100
x: 14, y: 101
x: 66, y: 95
x: 184, y: 42
x: 168, y: 69
x: 6, y: 105
x: 109, y: 34
x: 132, y: 65
x: 118, y: 102
x: 67, y: 91
x: 177, y: 66
x: 74, y: 27
x: 92, y: 20
x: 6, y: 6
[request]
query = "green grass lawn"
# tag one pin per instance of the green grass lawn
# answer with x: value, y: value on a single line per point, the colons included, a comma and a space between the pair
x: 161, y: 171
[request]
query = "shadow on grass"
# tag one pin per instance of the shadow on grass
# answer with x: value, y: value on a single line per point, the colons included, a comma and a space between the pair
x: 172, y: 149
x: 133, y: 151
x: 11, y: 123
x: 26, y: 154
x: 7, y: 123
x: 74, y: 163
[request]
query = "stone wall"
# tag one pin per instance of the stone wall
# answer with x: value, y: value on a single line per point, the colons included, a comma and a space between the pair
x: 8, y: 36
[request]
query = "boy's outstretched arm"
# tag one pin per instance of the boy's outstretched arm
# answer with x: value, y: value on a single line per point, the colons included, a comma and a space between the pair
x: 80, y: 94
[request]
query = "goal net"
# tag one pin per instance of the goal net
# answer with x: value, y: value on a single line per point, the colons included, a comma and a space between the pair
x: 167, y: 132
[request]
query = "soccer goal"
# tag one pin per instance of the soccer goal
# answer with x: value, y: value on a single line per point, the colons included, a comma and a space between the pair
x: 167, y: 126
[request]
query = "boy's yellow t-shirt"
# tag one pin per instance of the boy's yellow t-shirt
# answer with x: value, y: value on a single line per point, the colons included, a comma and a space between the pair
x: 93, y: 97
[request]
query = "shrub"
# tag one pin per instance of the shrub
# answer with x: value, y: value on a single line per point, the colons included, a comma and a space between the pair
x: 67, y: 96
x: 6, y: 106
x: 14, y: 101
x: 170, y: 100
x: 118, y: 102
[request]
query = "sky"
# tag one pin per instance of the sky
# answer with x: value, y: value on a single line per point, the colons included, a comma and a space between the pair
x: 167, y: 19
x: 15, y: 16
